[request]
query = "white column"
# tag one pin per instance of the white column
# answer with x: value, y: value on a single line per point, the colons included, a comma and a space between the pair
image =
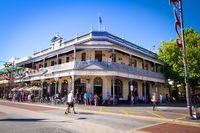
x: 59, y: 87
x: 113, y: 54
x: 113, y: 79
x: 57, y: 59
x: 56, y: 86
x: 72, y: 84
x: 145, y: 90
x: 130, y: 60
x: 74, y: 53
x: 144, y: 64
x: 43, y: 62
x: 155, y: 67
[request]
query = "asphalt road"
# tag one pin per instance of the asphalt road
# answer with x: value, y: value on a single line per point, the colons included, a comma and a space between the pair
x: 23, y: 118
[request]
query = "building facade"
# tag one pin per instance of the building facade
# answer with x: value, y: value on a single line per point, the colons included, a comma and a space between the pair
x: 97, y: 62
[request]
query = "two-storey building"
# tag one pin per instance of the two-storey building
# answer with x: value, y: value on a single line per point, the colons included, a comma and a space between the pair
x: 97, y: 62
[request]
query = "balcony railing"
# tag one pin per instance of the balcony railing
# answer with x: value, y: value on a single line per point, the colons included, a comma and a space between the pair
x: 119, y: 67
x: 61, y: 67
x: 112, y: 66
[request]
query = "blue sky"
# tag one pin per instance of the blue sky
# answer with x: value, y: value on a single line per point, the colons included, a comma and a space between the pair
x: 29, y: 25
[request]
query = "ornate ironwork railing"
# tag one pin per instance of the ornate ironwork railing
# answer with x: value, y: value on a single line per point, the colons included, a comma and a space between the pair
x: 118, y: 67
x: 109, y: 66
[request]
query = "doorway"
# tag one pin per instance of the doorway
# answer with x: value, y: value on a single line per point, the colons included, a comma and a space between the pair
x: 134, y: 91
x: 64, y: 90
x: 80, y: 87
x: 98, y: 56
x: 98, y: 88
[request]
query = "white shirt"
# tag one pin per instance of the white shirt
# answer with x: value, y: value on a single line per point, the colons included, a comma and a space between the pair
x: 160, y: 97
x: 153, y: 98
x: 29, y: 97
x: 70, y: 98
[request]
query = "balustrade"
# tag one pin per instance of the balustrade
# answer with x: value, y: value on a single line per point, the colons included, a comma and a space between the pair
x: 112, y: 66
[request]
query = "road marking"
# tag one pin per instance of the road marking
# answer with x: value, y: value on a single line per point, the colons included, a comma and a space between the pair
x: 100, y: 109
x: 174, y: 113
x: 135, y: 112
x: 123, y: 111
x: 162, y: 117
x: 180, y: 118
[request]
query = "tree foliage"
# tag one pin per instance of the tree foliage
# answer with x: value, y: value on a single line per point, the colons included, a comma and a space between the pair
x: 171, y: 55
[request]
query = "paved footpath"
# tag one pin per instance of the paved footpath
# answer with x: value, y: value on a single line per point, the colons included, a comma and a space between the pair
x: 51, y: 118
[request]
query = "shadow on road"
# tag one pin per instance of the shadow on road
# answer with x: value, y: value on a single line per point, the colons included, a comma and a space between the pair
x: 84, y: 113
x: 82, y: 118
x: 22, y: 120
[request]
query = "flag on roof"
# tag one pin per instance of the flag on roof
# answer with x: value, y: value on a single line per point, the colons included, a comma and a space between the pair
x: 100, y: 20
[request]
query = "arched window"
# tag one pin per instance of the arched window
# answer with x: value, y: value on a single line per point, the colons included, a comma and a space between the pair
x: 64, y: 90
x: 135, y: 88
x: 52, y: 89
x: 98, y: 86
x: 45, y: 88
x: 118, y: 88
x: 80, y: 86
x: 98, y: 82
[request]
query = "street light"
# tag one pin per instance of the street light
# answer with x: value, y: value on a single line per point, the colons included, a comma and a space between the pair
x: 181, y: 44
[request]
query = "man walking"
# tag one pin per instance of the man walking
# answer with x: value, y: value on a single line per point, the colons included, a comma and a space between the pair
x: 153, y: 99
x: 70, y: 102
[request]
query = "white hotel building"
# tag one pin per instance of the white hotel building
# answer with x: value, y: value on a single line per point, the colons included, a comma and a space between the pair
x: 96, y: 62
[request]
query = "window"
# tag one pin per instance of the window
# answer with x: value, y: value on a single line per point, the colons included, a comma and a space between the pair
x: 59, y: 61
x: 113, y: 59
x: 98, y: 55
x: 135, y: 63
x: 67, y: 59
x: 118, y: 88
x: 52, y: 63
x: 147, y: 66
x: 83, y: 57
x: 45, y: 64
x: 40, y: 65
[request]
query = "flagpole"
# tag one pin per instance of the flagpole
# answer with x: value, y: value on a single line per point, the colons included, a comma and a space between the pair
x: 99, y: 24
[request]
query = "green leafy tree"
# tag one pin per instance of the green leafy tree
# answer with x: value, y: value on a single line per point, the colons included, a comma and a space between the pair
x: 171, y: 55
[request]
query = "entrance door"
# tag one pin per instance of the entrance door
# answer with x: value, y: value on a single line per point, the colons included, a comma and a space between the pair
x: 135, y: 85
x: 45, y: 87
x: 52, y: 89
x: 148, y: 92
x: 98, y: 55
x: 80, y: 87
x: 98, y: 86
x: 64, y: 89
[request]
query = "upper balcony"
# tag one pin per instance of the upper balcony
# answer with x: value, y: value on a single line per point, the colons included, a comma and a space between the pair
x: 107, y: 66
x: 112, y: 66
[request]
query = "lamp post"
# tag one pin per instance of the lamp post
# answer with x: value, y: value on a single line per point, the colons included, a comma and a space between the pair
x: 181, y: 44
